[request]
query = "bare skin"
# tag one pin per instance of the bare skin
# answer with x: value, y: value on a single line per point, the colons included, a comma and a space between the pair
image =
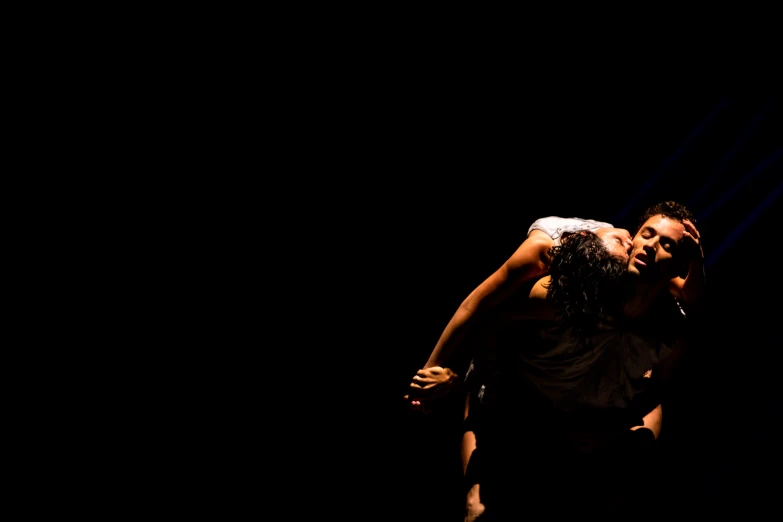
x: 662, y: 248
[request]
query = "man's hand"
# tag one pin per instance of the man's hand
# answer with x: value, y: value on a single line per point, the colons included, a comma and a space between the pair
x: 692, y: 242
x: 694, y: 283
x: 689, y: 287
x: 429, y: 384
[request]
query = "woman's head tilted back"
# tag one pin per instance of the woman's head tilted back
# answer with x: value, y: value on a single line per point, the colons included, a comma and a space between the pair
x: 585, y: 280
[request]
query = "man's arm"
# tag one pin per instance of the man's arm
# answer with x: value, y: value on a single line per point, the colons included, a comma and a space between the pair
x: 690, y: 288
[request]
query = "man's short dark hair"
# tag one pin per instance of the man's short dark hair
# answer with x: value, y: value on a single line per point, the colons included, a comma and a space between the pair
x: 669, y: 209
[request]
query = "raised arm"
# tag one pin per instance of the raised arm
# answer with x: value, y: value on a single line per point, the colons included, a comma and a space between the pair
x: 689, y: 289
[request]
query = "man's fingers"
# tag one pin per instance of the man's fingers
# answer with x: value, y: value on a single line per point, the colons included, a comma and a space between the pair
x: 692, y: 238
x: 426, y: 384
x: 436, y: 376
x: 425, y: 381
x: 423, y: 384
x: 693, y: 244
x: 690, y: 231
x: 690, y: 227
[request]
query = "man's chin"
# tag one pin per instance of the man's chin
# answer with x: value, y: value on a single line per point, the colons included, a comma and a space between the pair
x: 640, y: 275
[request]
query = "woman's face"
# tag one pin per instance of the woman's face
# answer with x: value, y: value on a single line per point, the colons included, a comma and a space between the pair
x: 617, y: 240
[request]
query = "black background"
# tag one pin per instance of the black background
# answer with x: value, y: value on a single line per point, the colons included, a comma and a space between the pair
x: 446, y: 184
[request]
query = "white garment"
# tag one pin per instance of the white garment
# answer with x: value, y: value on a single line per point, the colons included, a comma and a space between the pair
x: 555, y: 226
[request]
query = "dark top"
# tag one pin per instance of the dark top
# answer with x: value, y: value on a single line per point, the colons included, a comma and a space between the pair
x: 557, y: 409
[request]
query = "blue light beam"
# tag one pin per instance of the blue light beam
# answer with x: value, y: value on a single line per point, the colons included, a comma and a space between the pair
x: 761, y: 167
x: 721, y: 167
x: 715, y: 255
x: 652, y: 180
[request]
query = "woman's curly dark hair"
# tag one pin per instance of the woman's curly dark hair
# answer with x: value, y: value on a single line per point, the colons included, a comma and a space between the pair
x: 585, y: 281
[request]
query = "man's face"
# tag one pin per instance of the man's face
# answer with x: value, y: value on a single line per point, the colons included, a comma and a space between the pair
x: 616, y: 240
x: 655, y: 251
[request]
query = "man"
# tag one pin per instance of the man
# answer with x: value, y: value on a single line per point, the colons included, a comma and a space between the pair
x: 665, y: 255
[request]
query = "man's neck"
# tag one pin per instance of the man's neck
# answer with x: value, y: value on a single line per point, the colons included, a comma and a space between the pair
x: 641, y: 298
